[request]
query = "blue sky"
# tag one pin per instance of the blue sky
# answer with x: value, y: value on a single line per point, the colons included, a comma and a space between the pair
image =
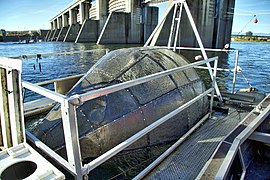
x: 35, y: 14
x: 244, y: 12
x: 29, y: 14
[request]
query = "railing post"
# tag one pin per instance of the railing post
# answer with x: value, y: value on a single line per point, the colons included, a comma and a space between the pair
x: 235, y: 70
x: 15, y: 107
x: 5, y: 124
x: 213, y: 86
x: 12, y: 119
x: 72, y: 137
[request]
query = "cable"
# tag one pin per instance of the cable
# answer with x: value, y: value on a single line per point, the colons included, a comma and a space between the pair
x: 247, y: 24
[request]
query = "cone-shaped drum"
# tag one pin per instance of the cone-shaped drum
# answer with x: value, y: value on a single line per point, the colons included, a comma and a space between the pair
x: 106, y: 121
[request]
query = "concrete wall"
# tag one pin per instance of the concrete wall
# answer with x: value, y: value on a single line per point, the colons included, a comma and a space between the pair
x: 117, y: 29
x: 88, y: 32
x: 210, y: 16
x: 72, y: 33
x: 134, y: 27
x: 214, y: 26
x: 15, y: 38
x: 50, y: 35
x: 150, y: 21
x: 55, y: 35
x: 186, y: 35
x: 223, y: 23
x: 62, y: 33
x: 42, y: 33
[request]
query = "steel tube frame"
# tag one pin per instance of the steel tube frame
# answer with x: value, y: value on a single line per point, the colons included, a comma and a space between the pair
x: 78, y: 99
x: 218, y: 50
x: 235, y: 70
x: 70, y: 122
x: 153, y: 37
x: 191, y: 20
x: 101, y: 159
x: 157, y: 30
x: 223, y: 170
x: 70, y: 127
x: 44, y: 92
x: 213, y: 86
x: 147, y: 170
x: 172, y: 27
x: 178, y: 26
x: 260, y: 137
x: 49, y: 152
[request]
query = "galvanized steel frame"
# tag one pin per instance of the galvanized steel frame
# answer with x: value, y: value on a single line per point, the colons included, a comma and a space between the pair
x: 68, y: 105
x: 70, y: 128
x: 235, y: 70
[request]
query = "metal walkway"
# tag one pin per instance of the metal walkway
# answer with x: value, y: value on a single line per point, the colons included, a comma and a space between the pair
x: 189, y: 158
x: 207, y: 153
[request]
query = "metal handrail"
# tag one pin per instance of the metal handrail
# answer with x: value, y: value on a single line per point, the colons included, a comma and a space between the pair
x: 235, y: 70
x: 78, y: 99
x: 104, y: 157
x: 70, y: 120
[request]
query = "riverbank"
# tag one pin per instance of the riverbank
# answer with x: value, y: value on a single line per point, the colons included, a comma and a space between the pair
x: 16, y: 36
x: 244, y: 38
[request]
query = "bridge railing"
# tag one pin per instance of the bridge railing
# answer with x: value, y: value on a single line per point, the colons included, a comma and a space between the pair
x: 69, y: 119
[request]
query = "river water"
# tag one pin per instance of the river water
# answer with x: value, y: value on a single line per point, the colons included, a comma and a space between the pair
x: 254, y: 61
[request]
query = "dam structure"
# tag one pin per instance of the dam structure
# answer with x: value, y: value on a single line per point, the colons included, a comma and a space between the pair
x: 132, y: 21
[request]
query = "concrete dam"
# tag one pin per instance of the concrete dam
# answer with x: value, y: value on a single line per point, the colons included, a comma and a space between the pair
x: 132, y: 21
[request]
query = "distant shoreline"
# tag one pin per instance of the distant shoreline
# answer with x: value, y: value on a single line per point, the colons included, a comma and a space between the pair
x: 244, y: 38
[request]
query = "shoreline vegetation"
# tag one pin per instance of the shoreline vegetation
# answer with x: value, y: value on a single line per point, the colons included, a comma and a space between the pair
x: 17, y: 35
x: 13, y: 36
x: 245, y: 38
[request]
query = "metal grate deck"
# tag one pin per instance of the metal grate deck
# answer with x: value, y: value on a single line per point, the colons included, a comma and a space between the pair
x: 189, y: 158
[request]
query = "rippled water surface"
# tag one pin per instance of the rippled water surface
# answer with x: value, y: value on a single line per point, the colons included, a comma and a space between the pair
x: 254, y: 61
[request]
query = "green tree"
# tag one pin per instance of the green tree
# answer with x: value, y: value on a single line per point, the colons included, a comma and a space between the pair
x: 249, y: 33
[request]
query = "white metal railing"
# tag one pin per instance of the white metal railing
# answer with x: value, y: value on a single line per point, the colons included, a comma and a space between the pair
x: 236, y: 67
x: 70, y: 130
x: 68, y: 109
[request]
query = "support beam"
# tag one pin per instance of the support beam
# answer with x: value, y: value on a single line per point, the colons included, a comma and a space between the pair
x: 82, y: 12
x: 71, y: 17
x: 71, y: 137
x: 104, y: 28
x: 88, y: 31
x: 51, y: 25
x: 59, y: 22
x: 64, y: 20
x: 86, y: 10
x: 62, y: 33
x: 54, y: 24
